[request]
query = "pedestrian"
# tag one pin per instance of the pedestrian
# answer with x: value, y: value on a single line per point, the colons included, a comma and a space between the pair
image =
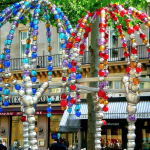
x: 2, y: 147
x: 58, y: 146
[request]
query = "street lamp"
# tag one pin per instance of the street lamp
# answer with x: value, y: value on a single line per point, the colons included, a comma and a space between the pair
x: 148, y: 69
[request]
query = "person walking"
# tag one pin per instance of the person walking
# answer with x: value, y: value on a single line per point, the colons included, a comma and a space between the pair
x: 2, y: 147
x: 58, y: 146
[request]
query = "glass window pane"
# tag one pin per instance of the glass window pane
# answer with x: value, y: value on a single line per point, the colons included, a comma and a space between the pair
x: 117, y: 85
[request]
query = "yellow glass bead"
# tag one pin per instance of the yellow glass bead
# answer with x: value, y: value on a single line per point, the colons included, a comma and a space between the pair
x: 1, y: 66
x: 121, y: 35
x: 25, y: 11
x: 50, y: 6
x: 80, y: 30
x: 20, y: 99
x: 125, y: 49
x: 134, y: 13
x: 145, y: 41
x: 148, y: 23
x: 136, y: 81
x: 47, y: 25
x: 103, y: 15
x: 69, y: 70
x: 133, y: 40
x: 90, y: 24
x: 49, y: 48
x: 105, y: 62
x: 6, y: 80
x: 101, y: 48
x: 148, y: 18
x: 71, y: 39
x: 101, y: 101
x: 84, y: 21
x: 34, y: 38
x: 138, y: 13
x: 21, y: 10
x: 101, y: 66
x: 57, y: 20
x: 133, y: 64
x: 105, y: 103
x: 63, y: 108
x: 28, y: 41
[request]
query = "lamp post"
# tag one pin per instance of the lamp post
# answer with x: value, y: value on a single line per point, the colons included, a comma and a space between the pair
x: 148, y: 69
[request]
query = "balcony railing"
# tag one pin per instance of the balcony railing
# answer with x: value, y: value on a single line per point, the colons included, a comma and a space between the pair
x: 115, y: 54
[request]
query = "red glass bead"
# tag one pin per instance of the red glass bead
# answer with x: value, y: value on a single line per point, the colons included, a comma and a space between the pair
x: 130, y: 30
x: 97, y: 12
x: 104, y: 122
x: 101, y: 54
x: 81, y: 52
x: 106, y: 56
x: 116, y: 11
x: 128, y: 69
x: 73, y: 69
x: 105, y: 108
x: 102, y: 30
x: 122, y: 13
x: 148, y: 50
x: 23, y: 118
x: 88, y: 29
x: 134, y: 51
x: 63, y: 103
x: 77, y: 39
x: 73, y: 34
x: 69, y: 45
x: 120, y: 30
x: 127, y: 20
x: 106, y: 41
x: 142, y: 35
x: 119, y: 26
x: 136, y: 27
x: 126, y: 54
x: 142, y: 16
x: 101, y: 93
x: 73, y: 101
x: 138, y: 70
x: 101, y: 25
x: 105, y: 97
x: 115, y: 18
x: 101, y: 73
x: 72, y: 87
x: 86, y: 35
x: 73, y: 63
x: 82, y: 25
x: 82, y: 47
x: 124, y: 45
x: 63, y: 96
x: 80, y: 21
x: 106, y: 35
x: 64, y: 79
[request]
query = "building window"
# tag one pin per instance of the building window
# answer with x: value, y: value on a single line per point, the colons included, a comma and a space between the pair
x: 141, y: 85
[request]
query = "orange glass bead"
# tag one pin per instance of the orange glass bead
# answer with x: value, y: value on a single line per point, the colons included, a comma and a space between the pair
x: 134, y: 13
x: 21, y: 10
x: 11, y: 78
x: 133, y: 65
x: 1, y: 66
x: 101, y: 66
x: 105, y: 103
x: 34, y: 38
x: 138, y: 92
x: 138, y: 13
x: 145, y: 41
x: 47, y: 25
x: 57, y: 20
x: 49, y: 48
x: 105, y: 62
x: 136, y: 81
x: 121, y: 35
x: 90, y: 24
x: 20, y: 99
x: 69, y: 71
x: 50, y: 6
x: 80, y: 30
x: 6, y: 80
x: 84, y: 21
x: 71, y: 39
x: 133, y: 40
x: 125, y: 49
x: 101, y: 48
x: 148, y: 23
x: 17, y: 25
x: 63, y: 108
x: 101, y: 101
x: 28, y: 41
x: 148, y: 18
x: 25, y: 11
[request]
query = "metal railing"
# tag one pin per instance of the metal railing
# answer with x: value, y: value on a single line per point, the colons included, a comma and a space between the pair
x: 115, y: 54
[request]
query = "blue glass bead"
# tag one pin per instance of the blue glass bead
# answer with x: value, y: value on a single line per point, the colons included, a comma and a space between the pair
x: 1, y: 109
x: 66, y: 42
x: 6, y: 103
x: 78, y: 76
x: 1, y: 25
x: 61, y: 14
x: 3, y: 12
x: 60, y: 17
x: 49, y: 115
x: 37, y: 10
x: 32, y: 19
x: 66, y: 37
x: 15, y: 11
x: 27, y: 4
x: 61, y: 35
x: 27, y: 46
x: 69, y: 110
x: 35, y: 106
x: 12, y: 7
x: 58, y: 9
x: 69, y: 75
x: 68, y: 30
x: 33, y: 73
x: 49, y: 73
x: 25, y: 60
x: 1, y: 18
x: 23, y: 76
x: 44, y: 7
x: 49, y: 68
x: 34, y: 55
x: 19, y: 21
x: 69, y: 89
x: 17, y: 87
x: 49, y: 39
x: 1, y: 88
x: 7, y: 50
x: 6, y: 63
x: 17, y: 5
x: 69, y: 79
x: 31, y: 24
x: 48, y: 29
x: 38, y: 6
x: 35, y: 27
x: 1, y: 98
x: 12, y: 32
x: 63, y: 46
x: 47, y: 17
x: 33, y: 79
x: 77, y: 107
x: 21, y: 18
x: 67, y: 22
x: 49, y: 99
x: 33, y: 91
x: 36, y: 22
x: 50, y: 58
x: 1, y: 70
x: 49, y: 109
x: 69, y: 27
x: 78, y: 113
x: 8, y: 42
x: 69, y: 65
x: 69, y: 98
x: 6, y: 92
x: 32, y: 7
x: 2, y: 56
x: 56, y: 16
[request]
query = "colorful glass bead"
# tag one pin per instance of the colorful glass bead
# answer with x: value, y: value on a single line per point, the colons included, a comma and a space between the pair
x: 17, y: 87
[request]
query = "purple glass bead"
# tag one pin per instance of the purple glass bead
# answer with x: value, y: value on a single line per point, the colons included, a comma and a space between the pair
x: 10, y: 36
x: 48, y: 34
x: 65, y: 63
x: 106, y: 51
x: 53, y: 9
x: 1, y: 79
x: 77, y: 26
x: 7, y: 17
x: 1, y: 61
x: 101, y: 85
x: 76, y: 44
x: 123, y: 40
x: 7, y: 56
x: 73, y: 75
x: 128, y: 75
x: 24, y: 88
x: 132, y: 117
x: 15, y: 22
x: 34, y: 48
x: 36, y: 17
x: 65, y: 18
x: 35, y: 32
x: 60, y: 30
x: 84, y: 41
x: 64, y: 31
x: 94, y: 16
x: 86, y: 17
x: 26, y: 72
x: 69, y: 104
x: 130, y: 9
x: 148, y: 55
x: 69, y: 55
x: 27, y: 51
x: 118, y: 6
x: 145, y: 19
x: 105, y: 83
x: 101, y: 41
x: 67, y: 51
x: 106, y: 73
x: 7, y: 10
x: 102, y: 20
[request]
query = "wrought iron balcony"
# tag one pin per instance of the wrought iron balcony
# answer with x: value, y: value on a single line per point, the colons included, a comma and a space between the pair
x: 115, y: 54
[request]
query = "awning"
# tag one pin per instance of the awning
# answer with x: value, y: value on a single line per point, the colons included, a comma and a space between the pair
x: 117, y: 110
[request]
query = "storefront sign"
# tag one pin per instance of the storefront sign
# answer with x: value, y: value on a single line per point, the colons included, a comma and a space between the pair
x: 112, y: 124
